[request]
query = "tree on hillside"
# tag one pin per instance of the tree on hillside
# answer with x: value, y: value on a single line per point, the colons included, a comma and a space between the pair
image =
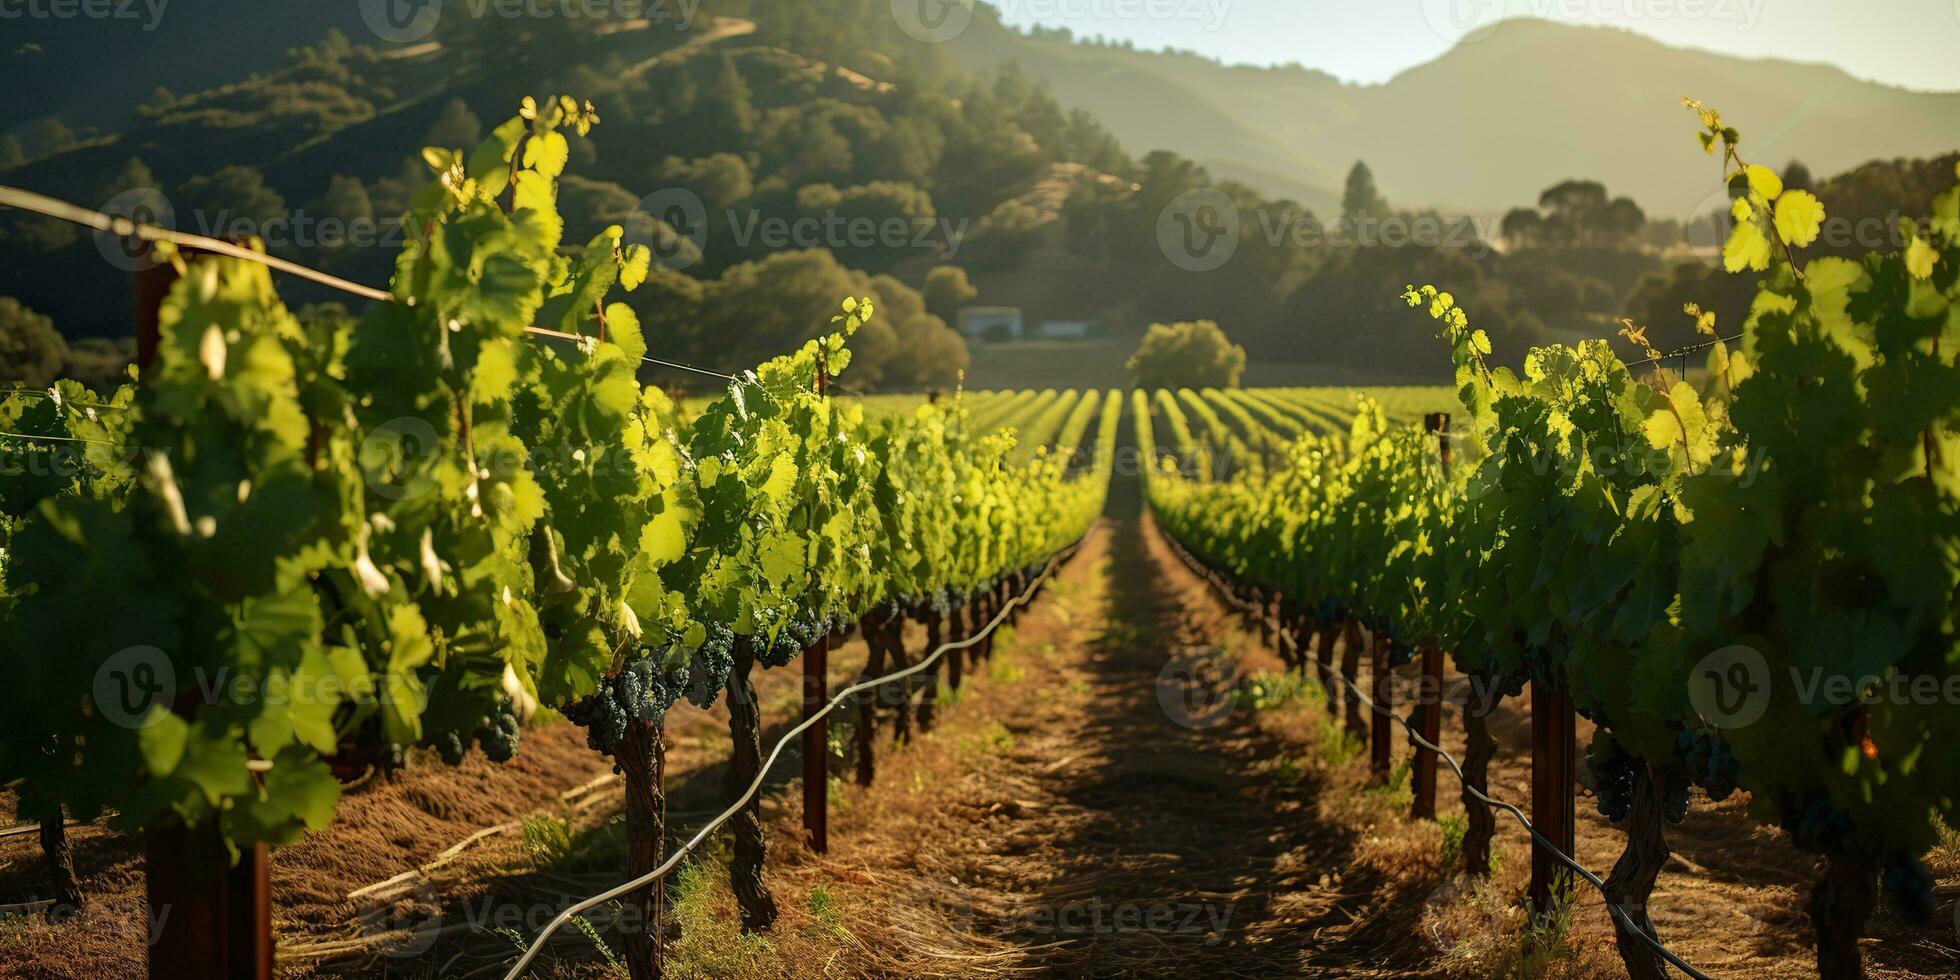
x: 722, y: 179
x: 99, y: 362
x: 134, y: 175
x: 1796, y: 177
x: 1362, y: 199
x: 456, y: 128
x: 347, y: 201
x: 1187, y: 355
x: 233, y: 195
x: 47, y: 137
x: 1575, y: 214
x: 947, y: 289
x: 11, y: 155
x: 1523, y: 228
x: 31, y: 352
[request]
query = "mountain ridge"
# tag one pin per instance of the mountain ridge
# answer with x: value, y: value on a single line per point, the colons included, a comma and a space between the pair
x: 1261, y: 124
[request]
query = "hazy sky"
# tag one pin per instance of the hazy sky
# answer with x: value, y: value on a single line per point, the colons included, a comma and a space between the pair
x: 1913, y: 43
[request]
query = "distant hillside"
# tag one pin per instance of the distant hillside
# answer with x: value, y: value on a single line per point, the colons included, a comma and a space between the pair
x: 1486, y: 126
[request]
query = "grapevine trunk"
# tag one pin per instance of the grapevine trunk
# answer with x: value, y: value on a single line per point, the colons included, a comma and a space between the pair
x: 642, y: 756
x: 1350, y: 669
x: 931, y: 682
x: 956, y: 659
x: 1633, y: 877
x: 867, y: 701
x: 1481, y: 822
x: 1324, y: 661
x: 899, y: 692
x: 745, y: 728
x: 1382, y: 693
x: 60, y: 861
x: 1840, y: 903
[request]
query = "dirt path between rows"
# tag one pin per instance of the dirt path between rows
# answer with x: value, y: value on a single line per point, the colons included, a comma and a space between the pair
x: 1125, y: 822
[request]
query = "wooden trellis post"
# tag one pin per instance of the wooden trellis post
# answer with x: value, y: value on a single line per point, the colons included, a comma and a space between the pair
x: 1554, y: 775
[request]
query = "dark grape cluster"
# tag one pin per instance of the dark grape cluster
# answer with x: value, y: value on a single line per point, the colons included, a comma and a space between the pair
x: 497, y: 735
x: 1616, y: 774
x: 795, y: 636
x: 940, y: 601
x: 707, y: 669
x: 1615, y: 771
x: 1710, y: 762
x: 1821, y: 827
x: 1909, y: 884
x: 643, y: 690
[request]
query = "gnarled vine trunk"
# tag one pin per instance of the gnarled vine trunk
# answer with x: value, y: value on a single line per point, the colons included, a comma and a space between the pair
x: 956, y: 630
x: 986, y: 613
x: 929, y: 695
x: 59, y: 859
x: 898, y: 693
x: 745, y: 728
x: 1633, y: 877
x: 867, y: 700
x: 1481, y: 822
x: 642, y: 757
x: 1324, y: 662
x: 1357, y: 725
x: 1840, y: 903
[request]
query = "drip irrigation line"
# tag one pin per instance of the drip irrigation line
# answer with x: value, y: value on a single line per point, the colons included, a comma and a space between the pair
x: 755, y: 785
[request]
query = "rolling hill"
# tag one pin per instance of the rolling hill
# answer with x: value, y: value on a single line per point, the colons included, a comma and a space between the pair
x: 1488, y: 125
